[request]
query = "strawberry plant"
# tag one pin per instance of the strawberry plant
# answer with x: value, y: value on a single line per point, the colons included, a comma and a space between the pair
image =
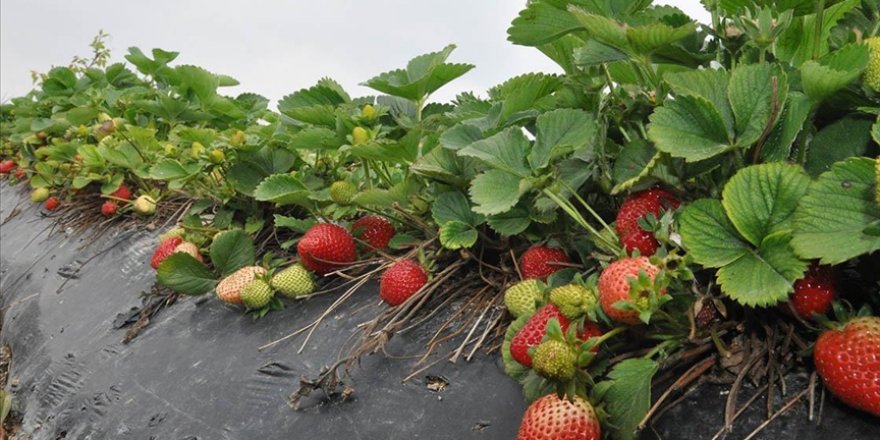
x: 662, y: 205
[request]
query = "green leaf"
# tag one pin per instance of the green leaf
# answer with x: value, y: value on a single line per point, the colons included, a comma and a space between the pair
x: 689, y: 127
x: 454, y: 206
x: 446, y: 166
x: 634, y: 163
x: 457, y: 235
x: 594, y: 52
x: 298, y: 225
x: 523, y: 94
x: 282, y: 189
x: 183, y: 273
x: 647, y: 39
x: 203, y: 83
x: 831, y: 219
x: 604, y: 29
x: 751, y: 94
x: 560, y: 132
x: 777, y: 146
x: 708, y: 235
x: 512, y: 222
x: 315, y: 138
x: 423, y: 75
x: 763, y: 277
x: 171, y: 169
x: 795, y: 44
x: 385, y: 150
x: 505, y: 151
x: 460, y: 136
x: 760, y: 200
x: 822, y: 78
x: 540, y: 23
x: 627, y: 395
x: 840, y: 140
x: 711, y: 84
x: 494, y: 192
x: 231, y: 251
x: 315, y: 105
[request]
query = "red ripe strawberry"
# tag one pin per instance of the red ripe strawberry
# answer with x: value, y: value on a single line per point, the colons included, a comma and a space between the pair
x: 7, y: 166
x: 20, y: 173
x: 557, y: 418
x: 52, y: 203
x: 375, y: 230
x: 401, y: 281
x: 813, y: 293
x: 637, y: 206
x: 533, y: 332
x: 108, y: 209
x: 325, y: 248
x: 164, y: 249
x: 122, y: 192
x: 538, y: 262
x: 614, y: 286
x: 848, y: 360
x: 590, y: 330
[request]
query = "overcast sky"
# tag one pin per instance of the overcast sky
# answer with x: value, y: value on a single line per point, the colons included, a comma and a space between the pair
x: 276, y: 47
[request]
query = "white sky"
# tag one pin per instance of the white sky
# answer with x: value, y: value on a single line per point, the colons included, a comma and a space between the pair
x: 276, y: 47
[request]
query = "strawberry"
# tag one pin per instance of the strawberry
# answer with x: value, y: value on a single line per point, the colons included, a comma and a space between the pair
x: 342, y: 192
x: 20, y: 173
x: 189, y: 248
x: 538, y: 262
x: 848, y: 360
x: 176, y: 231
x: 533, y: 332
x: 375, y: 230
x: 614, y: 286
x: 164, y: 249
x: 229, y: 289
x: 556, y: 418
x: 520, y: 298
x: 401, y: 281
x: 573, y: 300
x: 359, y: 135
x: 7, y: 166
x: 39, y: 195
x: 590, y: 330
x: 122, y: 192
x: 108, y: 209
x: 294, y: 282
x: 52, y: 203
x: 872, y: 72
x: 325, y: 248
x: 554, y: 360
x: 256, y: 294
x: 637, y: 206
x: 813, y: 293
x: 145, y: 205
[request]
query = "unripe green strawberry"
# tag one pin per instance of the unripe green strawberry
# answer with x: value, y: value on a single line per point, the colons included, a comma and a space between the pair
x: 145, y: 205
x: 196, y: 149
x: 256, y: 294
x: 872, y: 72
x: 173, y: 232
x: 216, y: 156
x: 40, y: 195
x: 877, y: 177
x: 229, y: 289
x: 520, y: 298
x: 359, y: 135
x: 237, y: 138
x: 368, y: 111
x: 342, y: 192
x: 294, y: 282
x: 574, y: 300
x: 554, y: 360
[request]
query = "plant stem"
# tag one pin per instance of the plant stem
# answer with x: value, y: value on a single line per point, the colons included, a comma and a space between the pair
x: 820, y: 18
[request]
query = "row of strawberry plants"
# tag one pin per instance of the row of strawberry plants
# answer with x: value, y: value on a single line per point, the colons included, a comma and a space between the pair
x: 676, y: 179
